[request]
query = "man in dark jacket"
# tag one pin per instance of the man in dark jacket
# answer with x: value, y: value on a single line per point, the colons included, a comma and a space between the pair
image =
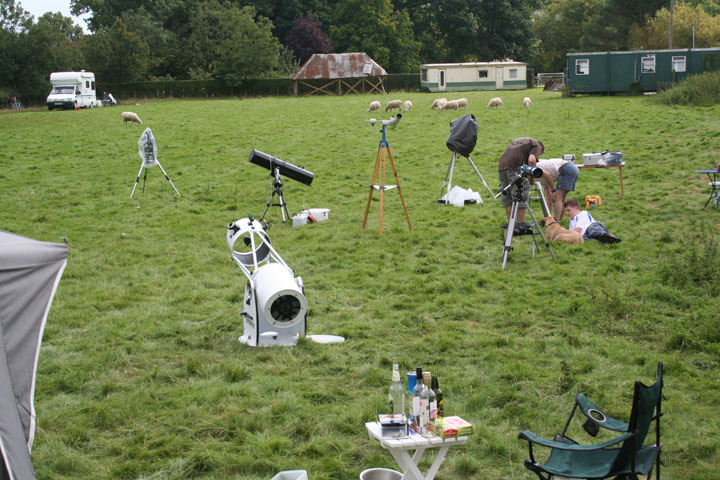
x: 521, y: 151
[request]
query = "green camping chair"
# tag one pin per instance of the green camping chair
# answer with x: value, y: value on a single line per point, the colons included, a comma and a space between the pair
x: 624, y: 456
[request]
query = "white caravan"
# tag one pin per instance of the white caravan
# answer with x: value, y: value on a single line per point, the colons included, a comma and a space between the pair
x: 72, y: 90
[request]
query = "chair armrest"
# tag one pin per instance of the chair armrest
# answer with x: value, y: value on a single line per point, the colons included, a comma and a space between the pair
x: 607, y: 422
x: 533, y: 438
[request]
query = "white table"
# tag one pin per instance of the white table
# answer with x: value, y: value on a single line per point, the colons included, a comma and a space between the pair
x: 400, y: 449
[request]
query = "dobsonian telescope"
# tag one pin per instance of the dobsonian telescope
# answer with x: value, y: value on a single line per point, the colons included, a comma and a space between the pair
x: 277, y: 168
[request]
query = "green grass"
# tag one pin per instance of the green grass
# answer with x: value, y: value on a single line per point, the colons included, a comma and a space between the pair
x: 141, y: 375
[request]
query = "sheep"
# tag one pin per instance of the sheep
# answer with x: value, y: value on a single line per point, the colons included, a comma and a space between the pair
x: 451, y: 105
x: 131, y: 117
x: 462, y: 103
x: 407, y: 105
x: 494, y: 102
x: 527, y: 102
x: 438, y: 103
x: 394, y: 104
x: 374, y: 106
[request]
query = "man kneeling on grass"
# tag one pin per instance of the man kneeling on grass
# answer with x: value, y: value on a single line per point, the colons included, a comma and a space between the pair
x: 582, y: 222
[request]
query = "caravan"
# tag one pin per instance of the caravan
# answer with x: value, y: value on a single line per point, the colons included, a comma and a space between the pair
x: 72, y: 90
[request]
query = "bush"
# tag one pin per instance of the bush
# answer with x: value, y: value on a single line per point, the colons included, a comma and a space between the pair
x: 703, y: 89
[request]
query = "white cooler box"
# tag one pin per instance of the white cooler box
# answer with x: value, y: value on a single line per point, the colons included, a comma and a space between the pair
x: 319, y: 214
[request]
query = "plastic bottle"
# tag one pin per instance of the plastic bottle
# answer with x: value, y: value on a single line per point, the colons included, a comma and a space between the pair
x: 396, y: 393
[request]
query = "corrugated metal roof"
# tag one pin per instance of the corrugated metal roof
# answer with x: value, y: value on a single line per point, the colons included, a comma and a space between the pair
x: 339, y: 65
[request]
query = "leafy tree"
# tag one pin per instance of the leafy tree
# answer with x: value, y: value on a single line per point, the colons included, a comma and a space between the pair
x: 14, y: 20
x: 116, y: 55
x: 558, y: 29
x: 248, y: 48
x: 375, y: 28
x: 306, y: 37
x: 656, y: 33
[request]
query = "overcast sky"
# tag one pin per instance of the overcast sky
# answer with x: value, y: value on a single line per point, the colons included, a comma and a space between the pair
x: 38, y: 7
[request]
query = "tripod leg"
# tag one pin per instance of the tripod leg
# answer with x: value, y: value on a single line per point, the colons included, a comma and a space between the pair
x: 283, y: 206
x: 137, y: 180
x: 372, y: 185
x: 168, y: 179
x: 267, y: 205
x: 542, y: 234
x: 397, y: 182
x: 546, y: 209
x: 144, y: 180
x: 448, y: 175
x: 472, y: 164
x: 508, y: 236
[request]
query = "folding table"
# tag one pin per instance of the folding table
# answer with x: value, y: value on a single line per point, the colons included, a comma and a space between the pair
x: 714, y: 185
x: 400, y: 449
x: 619, y: 166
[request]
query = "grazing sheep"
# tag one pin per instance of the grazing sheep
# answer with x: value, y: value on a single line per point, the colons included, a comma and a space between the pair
x: 131, y: 117
x: 407, y: 105
x: 451, y: 105
x: 494, y: 102
x: 527, y: 102
x: 394, y: 104
x: 374, y: 106
x: 462, y: 103
x: 438, y: 103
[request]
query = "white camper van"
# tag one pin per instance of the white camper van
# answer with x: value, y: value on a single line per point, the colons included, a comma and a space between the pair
x: 72, y: 90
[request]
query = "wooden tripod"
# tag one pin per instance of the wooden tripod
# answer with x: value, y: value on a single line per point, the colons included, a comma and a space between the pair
x: 379, y: 171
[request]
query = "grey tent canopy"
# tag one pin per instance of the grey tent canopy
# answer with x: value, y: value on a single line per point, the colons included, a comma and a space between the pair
x: 30, y: 272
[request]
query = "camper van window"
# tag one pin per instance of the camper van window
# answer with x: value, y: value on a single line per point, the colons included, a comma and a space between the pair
x: 678, y: 64
x: 582, y: 66
x: 423, y: 74
x: 648, y: 64
x: 62, y: 90
x: 87, y: 83
x: 512, y: 73
x: 92, y: 85
x: 483, y: 73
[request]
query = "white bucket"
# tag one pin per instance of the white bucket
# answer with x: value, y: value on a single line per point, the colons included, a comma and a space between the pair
x: 380, y: 474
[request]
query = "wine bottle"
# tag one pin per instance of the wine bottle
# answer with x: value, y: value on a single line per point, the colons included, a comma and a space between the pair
x: 429, y: 403
x: 417, y: 405
x: 438, y: 397
x: 396, y: 393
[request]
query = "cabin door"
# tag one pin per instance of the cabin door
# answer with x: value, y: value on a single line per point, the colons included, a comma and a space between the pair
x: 441, y: 81
x: 499, y: 78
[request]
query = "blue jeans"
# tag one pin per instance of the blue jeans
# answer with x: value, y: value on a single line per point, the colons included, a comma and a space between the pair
x: 595, y: 230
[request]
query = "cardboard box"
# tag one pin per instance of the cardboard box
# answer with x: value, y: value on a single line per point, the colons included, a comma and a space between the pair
x: 450, y: 427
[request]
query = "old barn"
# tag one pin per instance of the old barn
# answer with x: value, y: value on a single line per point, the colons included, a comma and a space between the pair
x: 339, y: 74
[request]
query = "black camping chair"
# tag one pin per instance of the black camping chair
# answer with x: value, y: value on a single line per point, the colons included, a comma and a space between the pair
x: 624, y: 457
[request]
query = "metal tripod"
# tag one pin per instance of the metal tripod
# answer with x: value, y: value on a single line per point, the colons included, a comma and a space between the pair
x: 144, y: 166
x: 383, y: 151
x: 447, y: 183
x: 277, y: 190
x: 517, y: 198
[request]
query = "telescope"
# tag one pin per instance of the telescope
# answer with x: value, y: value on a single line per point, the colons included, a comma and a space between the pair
x: 275, y: 308
x: 285, y: 169
x: 385, y: 123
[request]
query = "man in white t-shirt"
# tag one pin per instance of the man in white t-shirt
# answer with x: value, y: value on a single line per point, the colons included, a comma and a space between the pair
x: 581, y: 221
x: 559, y: 177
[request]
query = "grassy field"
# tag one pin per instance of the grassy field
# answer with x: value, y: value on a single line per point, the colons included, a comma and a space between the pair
x: 141, y: 375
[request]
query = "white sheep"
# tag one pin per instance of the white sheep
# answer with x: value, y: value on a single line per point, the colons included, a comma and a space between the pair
x: 462, y: 102
x: 494, y: 102
x: 451, y: 105
x: 407, y: 105
x: 527, y: 102
x: 131, y: 117
x: 374, y: 106
x: 438, y: 103
x: 393, y: 104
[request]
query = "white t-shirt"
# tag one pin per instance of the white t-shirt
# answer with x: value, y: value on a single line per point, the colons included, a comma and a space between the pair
x: 552, y: 166
x: 582, y: 220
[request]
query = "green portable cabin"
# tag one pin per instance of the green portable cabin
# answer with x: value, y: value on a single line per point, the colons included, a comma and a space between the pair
x: 636, y: 70
x: 457, y: 77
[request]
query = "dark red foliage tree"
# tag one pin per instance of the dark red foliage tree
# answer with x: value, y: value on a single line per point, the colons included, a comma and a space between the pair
x: 306, y: 37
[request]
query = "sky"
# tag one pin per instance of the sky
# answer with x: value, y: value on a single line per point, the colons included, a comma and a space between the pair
x: 38, y: 7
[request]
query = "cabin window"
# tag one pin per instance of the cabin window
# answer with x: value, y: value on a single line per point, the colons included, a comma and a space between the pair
x: 678, y: 64
x: 648, y: 64
x: 483, y: 73
x: 87, y: 83
x: 92, y: 85
x: 582, y: 66
x: 512, y: 73
x: 423, y: 74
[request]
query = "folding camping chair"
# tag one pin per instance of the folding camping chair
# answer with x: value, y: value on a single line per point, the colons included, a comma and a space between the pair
x: 624, y: 456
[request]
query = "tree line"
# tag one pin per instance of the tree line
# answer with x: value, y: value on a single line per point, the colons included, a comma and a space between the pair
x: 137, y: 40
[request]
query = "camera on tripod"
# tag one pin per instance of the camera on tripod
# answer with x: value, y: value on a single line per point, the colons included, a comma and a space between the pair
x: 530, y: 172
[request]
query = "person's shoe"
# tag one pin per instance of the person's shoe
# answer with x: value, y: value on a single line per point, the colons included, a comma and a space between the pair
x: 608, y: 238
